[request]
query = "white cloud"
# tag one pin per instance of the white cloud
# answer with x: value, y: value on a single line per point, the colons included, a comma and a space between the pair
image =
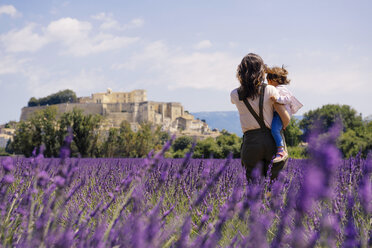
x: 203, y: 70
x: 135, y: 23
x: 330, y: 81
x: 108, y: 22
x: 24, y: 40
x: 317, y: 87
x: 203, y: 44
x: 69, y: 30
x: 101, y: 43
x: 327, y: 73
x: 101, y: 16
x: 59, y: 7
x: 76, y: 37
x: 42, y: 81
x: 179, y: 69
x: 10, y: 65
x: 153, y: 55
x: 86, y: 81
x: 9, y: 10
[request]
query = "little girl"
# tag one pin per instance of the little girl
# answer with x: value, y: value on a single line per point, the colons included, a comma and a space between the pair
x: 277, y: 77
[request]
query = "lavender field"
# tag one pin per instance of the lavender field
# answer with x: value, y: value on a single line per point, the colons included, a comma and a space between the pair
x: 155, y: 202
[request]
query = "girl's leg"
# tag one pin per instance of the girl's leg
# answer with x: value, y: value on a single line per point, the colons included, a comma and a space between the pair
x: 276, y: 127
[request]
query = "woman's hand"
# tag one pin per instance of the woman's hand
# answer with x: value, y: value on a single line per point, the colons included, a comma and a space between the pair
x: 283, y: 113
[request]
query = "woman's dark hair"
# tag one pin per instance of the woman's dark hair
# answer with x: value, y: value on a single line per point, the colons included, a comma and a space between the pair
x: 251, y: 74
x: 277, y: 74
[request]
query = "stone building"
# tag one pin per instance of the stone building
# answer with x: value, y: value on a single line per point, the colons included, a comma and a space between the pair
x: 116, y: 97
x: 6, y: 134
x: 132, y: 107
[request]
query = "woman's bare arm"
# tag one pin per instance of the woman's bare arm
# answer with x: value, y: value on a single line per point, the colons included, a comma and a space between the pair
x: 280, y: 109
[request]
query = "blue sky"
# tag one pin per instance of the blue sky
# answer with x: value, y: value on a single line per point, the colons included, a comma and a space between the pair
x: 184, y: 51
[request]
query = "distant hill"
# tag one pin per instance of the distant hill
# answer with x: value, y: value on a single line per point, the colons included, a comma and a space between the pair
x: 228, y: 120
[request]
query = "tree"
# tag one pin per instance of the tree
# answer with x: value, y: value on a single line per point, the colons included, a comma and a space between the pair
x: 40, y: 129
x: 182, y: 143
x: 160, y: 137
x: 9, y: 147
x: 110, y: 147
x: 293, y: 133
x: 23, y: 142
x: 62, y: 96
x: 84, y: 128
x: 45, y: 124
x: 327, y: 115
x: 123, y: 142
x: 33, y: 102
x: 207, y: 148
x: 351, y: 143
x: 356, y: 135
x: 143, y: 141
x: 126, y: 141
x: 229, y: 143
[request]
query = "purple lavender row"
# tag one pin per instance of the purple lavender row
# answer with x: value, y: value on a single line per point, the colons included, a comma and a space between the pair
x: 155, y: 202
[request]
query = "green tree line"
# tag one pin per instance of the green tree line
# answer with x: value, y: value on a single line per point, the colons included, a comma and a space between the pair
x: 356, y: 134
x: 56, y: 98
x: 89, y: 140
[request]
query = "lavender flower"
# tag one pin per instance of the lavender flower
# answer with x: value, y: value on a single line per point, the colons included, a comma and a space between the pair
x: 351, y: 236
x: 43, y: 179
x: 8, y: 165
x: 8, y: 179
x: 82, y: 202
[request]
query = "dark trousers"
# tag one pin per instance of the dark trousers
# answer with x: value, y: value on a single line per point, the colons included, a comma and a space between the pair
x: 258, y: 148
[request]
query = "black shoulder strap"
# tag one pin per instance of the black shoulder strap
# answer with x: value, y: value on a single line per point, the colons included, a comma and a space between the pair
x: 260, y: 118
x: 262, y: 96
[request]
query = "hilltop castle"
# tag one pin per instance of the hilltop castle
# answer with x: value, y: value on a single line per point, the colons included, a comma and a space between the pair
x: 135, y: 108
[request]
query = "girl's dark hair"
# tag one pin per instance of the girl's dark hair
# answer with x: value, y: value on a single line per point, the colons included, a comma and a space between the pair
x: 277, y: 74
x: 251, y: 74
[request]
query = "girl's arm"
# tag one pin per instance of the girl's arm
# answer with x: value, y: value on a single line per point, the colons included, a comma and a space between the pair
x: 284, y: 116
x: 284, y: 99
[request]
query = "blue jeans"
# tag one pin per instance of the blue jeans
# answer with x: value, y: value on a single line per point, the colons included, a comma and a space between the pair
x: 276, y: 127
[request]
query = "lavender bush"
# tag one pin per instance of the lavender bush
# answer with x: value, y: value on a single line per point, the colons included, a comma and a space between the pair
x: 155, y: 202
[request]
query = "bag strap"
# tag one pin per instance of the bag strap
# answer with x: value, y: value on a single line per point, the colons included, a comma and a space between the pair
x: 260, y: 118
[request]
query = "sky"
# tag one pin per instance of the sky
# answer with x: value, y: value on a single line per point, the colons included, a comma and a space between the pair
x: 183, y: 51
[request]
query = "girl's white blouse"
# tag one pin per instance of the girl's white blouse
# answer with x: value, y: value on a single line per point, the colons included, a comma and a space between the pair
x: 292, y: 104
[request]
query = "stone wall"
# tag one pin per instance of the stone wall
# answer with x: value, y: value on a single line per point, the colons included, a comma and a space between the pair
x: 132, y: 107
x: 88, y: 108
x: 117, y: 118
x: 155, y: 112
x: 116, y: 97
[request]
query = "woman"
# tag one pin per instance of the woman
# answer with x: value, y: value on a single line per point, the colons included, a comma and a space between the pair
x: 256, y: 109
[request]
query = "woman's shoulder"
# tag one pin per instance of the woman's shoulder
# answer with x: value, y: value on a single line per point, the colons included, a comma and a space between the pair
x: 234, y: 91
x: 234, y: 95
